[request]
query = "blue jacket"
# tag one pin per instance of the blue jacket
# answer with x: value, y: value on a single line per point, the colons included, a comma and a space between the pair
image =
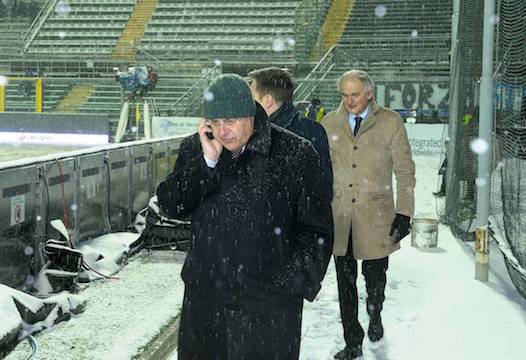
x: 288, y: 117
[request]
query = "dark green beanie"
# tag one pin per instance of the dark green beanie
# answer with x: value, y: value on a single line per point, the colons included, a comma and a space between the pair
x: 228, y: 96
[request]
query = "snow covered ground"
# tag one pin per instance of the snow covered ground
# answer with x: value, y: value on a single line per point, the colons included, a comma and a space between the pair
x: 434, y: 308
x: 122, y: 315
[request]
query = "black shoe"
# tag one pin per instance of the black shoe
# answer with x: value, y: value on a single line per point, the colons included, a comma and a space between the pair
x: 376, y: 330
x: 349, y: 353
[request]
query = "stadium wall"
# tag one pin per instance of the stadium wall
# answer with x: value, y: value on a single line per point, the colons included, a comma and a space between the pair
x: 93, y: 191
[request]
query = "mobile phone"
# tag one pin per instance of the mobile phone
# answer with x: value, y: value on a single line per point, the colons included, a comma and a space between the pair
x: 209, y: 135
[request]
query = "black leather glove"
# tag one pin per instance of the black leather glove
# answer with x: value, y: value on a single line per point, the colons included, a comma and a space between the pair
x: 401, y: 226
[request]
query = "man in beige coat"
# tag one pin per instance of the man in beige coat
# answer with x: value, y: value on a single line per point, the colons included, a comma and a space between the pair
x: 367, y: 144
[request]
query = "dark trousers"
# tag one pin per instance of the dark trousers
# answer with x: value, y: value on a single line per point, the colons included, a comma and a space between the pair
x: 212, y: 328
x: 374, y: 272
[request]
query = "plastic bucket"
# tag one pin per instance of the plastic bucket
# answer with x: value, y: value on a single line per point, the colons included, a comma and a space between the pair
x: 424, y: 233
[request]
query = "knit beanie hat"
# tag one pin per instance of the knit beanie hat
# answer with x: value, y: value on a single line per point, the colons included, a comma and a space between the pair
x: 228, y: 96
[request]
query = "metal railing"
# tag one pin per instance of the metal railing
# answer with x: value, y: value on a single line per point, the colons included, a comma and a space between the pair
x: 35, y: 26
x: 309, y: 85
x: 394, y: 54
x: 189, y: 103
x: 307, y: 26
x: 64, y: 67
x: 145, y: 58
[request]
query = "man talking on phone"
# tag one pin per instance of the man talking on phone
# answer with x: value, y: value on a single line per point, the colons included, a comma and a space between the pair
x: 261, y: 230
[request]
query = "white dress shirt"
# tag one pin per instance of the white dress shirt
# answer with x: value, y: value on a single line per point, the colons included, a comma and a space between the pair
x: 363, y: 115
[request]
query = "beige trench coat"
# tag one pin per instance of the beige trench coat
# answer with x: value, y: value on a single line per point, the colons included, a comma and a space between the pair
x: 363, y: 181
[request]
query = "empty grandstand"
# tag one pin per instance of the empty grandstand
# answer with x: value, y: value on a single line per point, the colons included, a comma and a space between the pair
x: 397, y: 42
x: 226, y: 30
x: 77, y: 45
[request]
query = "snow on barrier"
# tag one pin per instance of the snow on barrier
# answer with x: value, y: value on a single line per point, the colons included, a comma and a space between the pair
x: 94, y: 191
x: 23, y: 314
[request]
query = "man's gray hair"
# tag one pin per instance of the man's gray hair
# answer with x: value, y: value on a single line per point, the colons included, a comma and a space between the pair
x: 357, y: 75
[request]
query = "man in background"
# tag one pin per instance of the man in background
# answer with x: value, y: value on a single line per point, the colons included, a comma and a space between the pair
x: 368, y: 143
x: 315, y: 110
x: 272, y: 88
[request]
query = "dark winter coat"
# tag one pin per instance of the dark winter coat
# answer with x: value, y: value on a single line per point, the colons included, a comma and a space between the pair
x: 288, y: 117
x: 261, y: 242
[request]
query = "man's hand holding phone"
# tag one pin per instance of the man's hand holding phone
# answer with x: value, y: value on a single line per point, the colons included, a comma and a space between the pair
x: 212, y: 148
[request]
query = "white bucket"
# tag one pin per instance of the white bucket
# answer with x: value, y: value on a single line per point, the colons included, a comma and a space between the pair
x: 424, y: 233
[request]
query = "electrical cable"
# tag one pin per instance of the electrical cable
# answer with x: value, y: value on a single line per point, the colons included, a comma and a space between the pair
x: 85, y: 265
x: 34, y: 347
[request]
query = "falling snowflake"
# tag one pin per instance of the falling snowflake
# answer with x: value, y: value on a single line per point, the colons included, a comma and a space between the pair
x: 480, y: 181
x: 380, y: 11
x: 208, y: 96
x: 479, y: 146
x: 62, y: 8
x: 28, y: 251
x: 494, y: 19
x: 278, y: 45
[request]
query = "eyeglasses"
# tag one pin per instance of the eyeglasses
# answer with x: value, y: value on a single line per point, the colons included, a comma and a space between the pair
x: 216, y: 124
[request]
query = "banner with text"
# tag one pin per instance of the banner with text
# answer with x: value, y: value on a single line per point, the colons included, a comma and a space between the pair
x: 427, y: 139
x: 173, y: 125
x: 409, y: 95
